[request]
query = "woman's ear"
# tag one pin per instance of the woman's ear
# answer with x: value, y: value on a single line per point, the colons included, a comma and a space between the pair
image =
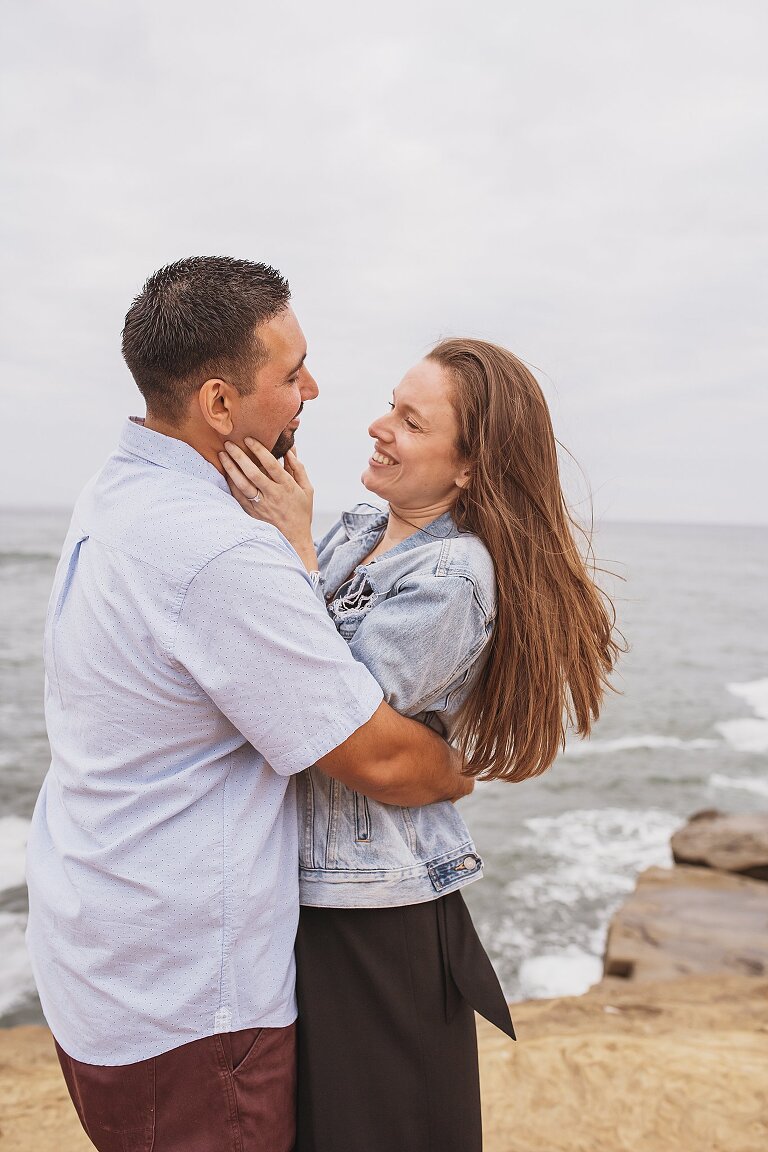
x: 463, y: 478
x: 218, y: 400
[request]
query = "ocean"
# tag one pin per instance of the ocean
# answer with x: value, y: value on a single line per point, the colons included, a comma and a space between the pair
x: 687, y: 729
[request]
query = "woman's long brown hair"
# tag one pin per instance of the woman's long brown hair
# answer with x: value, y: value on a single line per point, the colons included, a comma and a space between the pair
x: 553, y: 644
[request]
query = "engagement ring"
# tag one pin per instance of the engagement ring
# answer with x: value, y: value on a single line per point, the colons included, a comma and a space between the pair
x: 255, y: 499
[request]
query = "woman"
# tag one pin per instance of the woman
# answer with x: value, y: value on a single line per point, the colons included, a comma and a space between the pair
x: 470, y: 603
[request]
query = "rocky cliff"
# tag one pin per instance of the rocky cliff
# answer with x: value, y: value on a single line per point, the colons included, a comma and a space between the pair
x: 669, y: 1053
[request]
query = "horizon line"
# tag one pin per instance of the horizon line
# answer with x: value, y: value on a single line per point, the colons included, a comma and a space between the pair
x: 611, y: 520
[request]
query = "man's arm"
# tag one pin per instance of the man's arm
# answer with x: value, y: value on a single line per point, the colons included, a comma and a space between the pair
x: 398, y: 761
x: 256, y: 640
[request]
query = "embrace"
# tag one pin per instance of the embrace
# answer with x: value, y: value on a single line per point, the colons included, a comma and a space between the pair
x: 246, y: 861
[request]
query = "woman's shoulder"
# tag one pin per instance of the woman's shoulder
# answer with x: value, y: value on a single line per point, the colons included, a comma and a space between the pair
x: 443, y: 553
x: 465, y: 555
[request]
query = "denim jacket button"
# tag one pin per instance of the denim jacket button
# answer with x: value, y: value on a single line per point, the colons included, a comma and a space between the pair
x: 469, y: 863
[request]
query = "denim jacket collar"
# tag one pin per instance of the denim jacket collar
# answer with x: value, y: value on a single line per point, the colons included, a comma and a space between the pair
x: 360, y: 525
x: 362, y: 529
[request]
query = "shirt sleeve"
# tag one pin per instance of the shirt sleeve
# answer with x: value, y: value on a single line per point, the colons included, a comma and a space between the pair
x: 421, y: 640
x: 256, y: 639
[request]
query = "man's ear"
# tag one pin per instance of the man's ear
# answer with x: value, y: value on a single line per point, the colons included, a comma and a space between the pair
x: 218, y: 404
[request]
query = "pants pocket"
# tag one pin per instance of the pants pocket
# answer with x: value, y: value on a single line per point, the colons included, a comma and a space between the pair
x: 239, y: 1047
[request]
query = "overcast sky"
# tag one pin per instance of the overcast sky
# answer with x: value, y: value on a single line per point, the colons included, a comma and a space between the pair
x: 585, y: 183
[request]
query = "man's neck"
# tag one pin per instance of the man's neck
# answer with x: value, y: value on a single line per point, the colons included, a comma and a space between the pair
x: 187, y: 434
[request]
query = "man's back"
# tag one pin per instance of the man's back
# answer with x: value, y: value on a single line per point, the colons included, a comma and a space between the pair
x: 162, y: 865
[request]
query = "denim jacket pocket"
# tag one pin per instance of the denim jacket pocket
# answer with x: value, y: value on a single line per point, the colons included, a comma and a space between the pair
x: 363, y: 827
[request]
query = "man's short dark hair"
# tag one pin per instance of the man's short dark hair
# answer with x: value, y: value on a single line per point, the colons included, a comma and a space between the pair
x: 197, y: 319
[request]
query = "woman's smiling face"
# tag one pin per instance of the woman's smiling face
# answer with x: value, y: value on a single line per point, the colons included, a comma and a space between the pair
x: 415, y: 464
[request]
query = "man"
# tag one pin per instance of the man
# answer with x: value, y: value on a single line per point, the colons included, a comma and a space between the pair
x: 191, y: 671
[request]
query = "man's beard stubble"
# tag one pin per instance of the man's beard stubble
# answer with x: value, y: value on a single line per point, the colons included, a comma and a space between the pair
x: 283, y: 444
x: 286, y: 439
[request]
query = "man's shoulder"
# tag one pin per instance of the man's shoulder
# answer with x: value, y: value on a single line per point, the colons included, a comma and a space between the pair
x: 170, y: 521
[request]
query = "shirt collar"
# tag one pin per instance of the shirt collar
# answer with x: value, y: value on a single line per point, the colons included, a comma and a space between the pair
x: 168, y: 452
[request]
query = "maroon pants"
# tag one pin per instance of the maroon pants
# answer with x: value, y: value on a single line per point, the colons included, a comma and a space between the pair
x: 233, y: 1092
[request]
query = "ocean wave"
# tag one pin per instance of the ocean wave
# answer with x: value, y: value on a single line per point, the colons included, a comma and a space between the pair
x: 569, y: 972
x: 745, y: 735
x: 571, y: 872
x: 16, y: 981
x: 13, y: 843
x: 592, y: 854
x: 745, y: 783
x: 635, y: 744
x: 748, y: 734
x: 755, y: 692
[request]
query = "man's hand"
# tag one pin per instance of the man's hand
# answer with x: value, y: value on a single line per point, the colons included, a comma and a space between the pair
x: 464, y: 785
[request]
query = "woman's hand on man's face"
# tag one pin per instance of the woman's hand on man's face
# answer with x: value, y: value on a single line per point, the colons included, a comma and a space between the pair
x: 276, y: 494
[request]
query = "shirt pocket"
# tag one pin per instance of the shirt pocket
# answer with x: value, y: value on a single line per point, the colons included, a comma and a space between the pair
x: 61, y: 589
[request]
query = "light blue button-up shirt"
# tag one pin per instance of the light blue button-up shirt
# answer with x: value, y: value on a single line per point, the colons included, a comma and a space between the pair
x: 190, y: 672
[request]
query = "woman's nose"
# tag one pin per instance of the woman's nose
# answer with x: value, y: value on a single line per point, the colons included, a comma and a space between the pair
x: 378, y: 430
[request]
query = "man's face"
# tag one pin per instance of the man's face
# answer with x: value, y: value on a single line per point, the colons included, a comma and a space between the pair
x: 270, y: 413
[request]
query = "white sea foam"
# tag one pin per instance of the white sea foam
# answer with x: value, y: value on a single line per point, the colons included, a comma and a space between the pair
x: 636, y: 744
x: 569, y: 972
x: 749, y: 734
x: 13, y: 842
x: 16, y: 982
x: 755, y: 692
x: 744, y: 783
x: 597, y: 852
x: 579, y: 866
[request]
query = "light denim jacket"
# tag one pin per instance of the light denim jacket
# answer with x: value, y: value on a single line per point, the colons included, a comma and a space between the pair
x: 419, y: 617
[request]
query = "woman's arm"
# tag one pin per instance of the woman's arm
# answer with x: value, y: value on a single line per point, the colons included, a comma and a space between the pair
x: 421, y: 641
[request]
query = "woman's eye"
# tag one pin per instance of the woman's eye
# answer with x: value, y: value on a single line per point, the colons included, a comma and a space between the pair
x: 406, y: 419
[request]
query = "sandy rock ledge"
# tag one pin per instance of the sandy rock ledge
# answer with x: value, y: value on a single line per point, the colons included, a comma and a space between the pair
x: 679, y: 1066
x: 669, y: 1053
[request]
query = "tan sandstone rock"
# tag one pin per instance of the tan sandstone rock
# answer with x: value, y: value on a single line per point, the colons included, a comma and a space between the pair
x: 678, y: 1066
x: 36, y: 1114
x: 737, y: 843
x: 667, y: 1067
x: 685, y: 920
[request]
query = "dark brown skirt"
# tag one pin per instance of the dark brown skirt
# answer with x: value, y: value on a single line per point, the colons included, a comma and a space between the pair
x: 387, y: 1043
